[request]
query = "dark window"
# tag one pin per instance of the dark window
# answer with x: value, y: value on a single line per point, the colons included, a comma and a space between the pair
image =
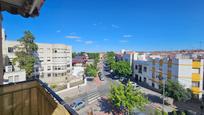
x: 145, y: 69
x: 49, y: 74
x: 153, y: 85
x: 10, y: 49
x: 140, y: 68
x: 136, y: 67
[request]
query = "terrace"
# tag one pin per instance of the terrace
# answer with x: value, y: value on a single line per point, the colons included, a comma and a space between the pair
x: 32, y: 97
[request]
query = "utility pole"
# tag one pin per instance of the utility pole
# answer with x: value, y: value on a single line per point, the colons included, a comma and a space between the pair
x: 1, y: 55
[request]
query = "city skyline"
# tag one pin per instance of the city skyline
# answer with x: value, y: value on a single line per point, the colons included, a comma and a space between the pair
x: 113, y: 25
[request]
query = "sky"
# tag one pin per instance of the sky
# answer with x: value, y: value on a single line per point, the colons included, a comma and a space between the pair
x: 112, y: 25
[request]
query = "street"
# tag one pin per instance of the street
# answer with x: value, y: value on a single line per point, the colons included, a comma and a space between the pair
x: 95, y: 95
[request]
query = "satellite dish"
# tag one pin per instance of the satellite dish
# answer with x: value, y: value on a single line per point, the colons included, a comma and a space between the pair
x: 25, y: 8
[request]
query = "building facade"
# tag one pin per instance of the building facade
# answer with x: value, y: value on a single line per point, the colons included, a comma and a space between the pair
x: 54, y: 63
x: 188, y: 72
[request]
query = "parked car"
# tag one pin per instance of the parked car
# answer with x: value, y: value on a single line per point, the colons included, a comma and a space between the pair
x: 102, y: 78
x: 89, y: 78
x: 134, y: 85
x: 115, y: 77
x: 122, y: 79
x: 78, y: 104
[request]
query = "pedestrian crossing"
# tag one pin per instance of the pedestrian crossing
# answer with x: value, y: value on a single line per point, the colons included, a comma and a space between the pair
x: 93, y: 96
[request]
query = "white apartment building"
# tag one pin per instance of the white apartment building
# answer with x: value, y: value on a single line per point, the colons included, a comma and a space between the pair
x: 131, y: 56
x: 54, y: 61
x: 188, y: 72
x: 13, y: 75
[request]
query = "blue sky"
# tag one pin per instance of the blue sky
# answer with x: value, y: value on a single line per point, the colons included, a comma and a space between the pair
x: 102, y: 25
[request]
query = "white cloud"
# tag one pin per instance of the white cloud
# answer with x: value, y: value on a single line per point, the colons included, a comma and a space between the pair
x: 58, y: 31
x: 123, y: 41
x: 72, y: 37
x: 115, y: 26
x: 78, y: 40
x: 88, y: 42
x: 127, y: 36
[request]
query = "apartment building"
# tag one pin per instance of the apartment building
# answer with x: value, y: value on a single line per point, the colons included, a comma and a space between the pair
x: 131, y: 56
x: 54, y: 63
x: 188, y: 72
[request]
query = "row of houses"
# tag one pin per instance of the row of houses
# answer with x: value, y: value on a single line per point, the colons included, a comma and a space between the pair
x: 154, y: 70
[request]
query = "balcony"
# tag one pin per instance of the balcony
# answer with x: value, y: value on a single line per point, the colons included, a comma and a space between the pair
x: 196, y: 77
x: 169, y: 63
x: 161, y: 62
x: 196, y: 90
x: 31, y: 98
x: 196, y: 64
x: 169, y: 74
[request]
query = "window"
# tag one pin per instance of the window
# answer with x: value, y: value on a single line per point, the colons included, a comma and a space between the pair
x: 145, y: 69
x: 195, y: 84
x: 10, y: 78
x: 48, y: 68
x: 49, y: 74
x: 10, y: 50
x: 48, y: 59
x: 136, y: 67
x: 36, y: 69
x: 42, y: 69
x: 16, y: 78
x: 42, y: 75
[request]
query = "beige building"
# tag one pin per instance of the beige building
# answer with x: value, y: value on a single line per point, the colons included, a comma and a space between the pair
x: 188, y: 72
x: 54, y: 60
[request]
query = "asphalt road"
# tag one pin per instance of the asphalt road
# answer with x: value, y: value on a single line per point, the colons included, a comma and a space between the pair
x: 102, y: 89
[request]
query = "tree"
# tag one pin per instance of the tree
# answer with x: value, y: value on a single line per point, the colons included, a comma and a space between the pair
x: 95, y: 57
x: 177, y: 91
x: 25, y: 53
x: 126, y: 98
x: 122, y: 68
x: 74, y: 54
x: 110, y: 59
x: 91, y: 70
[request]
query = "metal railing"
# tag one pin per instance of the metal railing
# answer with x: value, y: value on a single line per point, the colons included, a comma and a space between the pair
x: 58, y: 98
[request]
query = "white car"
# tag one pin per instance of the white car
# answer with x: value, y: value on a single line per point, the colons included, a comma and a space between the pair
x: 134, y: 85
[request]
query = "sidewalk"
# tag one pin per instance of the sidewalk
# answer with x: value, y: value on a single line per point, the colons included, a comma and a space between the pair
x: 79, y: 91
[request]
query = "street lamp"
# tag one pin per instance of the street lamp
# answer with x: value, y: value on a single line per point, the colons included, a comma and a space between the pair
x: 163, y: 90
x: 25, y: 8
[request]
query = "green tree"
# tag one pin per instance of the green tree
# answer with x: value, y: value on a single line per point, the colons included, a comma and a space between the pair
x: 95, y: 57
x: 122, y: 68
x: 91, y: 70
x: 110, y: 59
x: 25, y: 53
x: 174, y: 112
x: 74, y: 54
x: 183, y: 113
x: 177, y: 91
x: 157, y: 112
x: 126, y: 98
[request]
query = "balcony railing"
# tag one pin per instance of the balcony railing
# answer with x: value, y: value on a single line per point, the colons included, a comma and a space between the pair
x: 196, y: 90
x: 32, y: 98
x: 196, y: 77
x: 196, y: 64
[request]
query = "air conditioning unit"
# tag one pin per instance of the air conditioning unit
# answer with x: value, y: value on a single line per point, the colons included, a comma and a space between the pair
x: 8, y: 68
